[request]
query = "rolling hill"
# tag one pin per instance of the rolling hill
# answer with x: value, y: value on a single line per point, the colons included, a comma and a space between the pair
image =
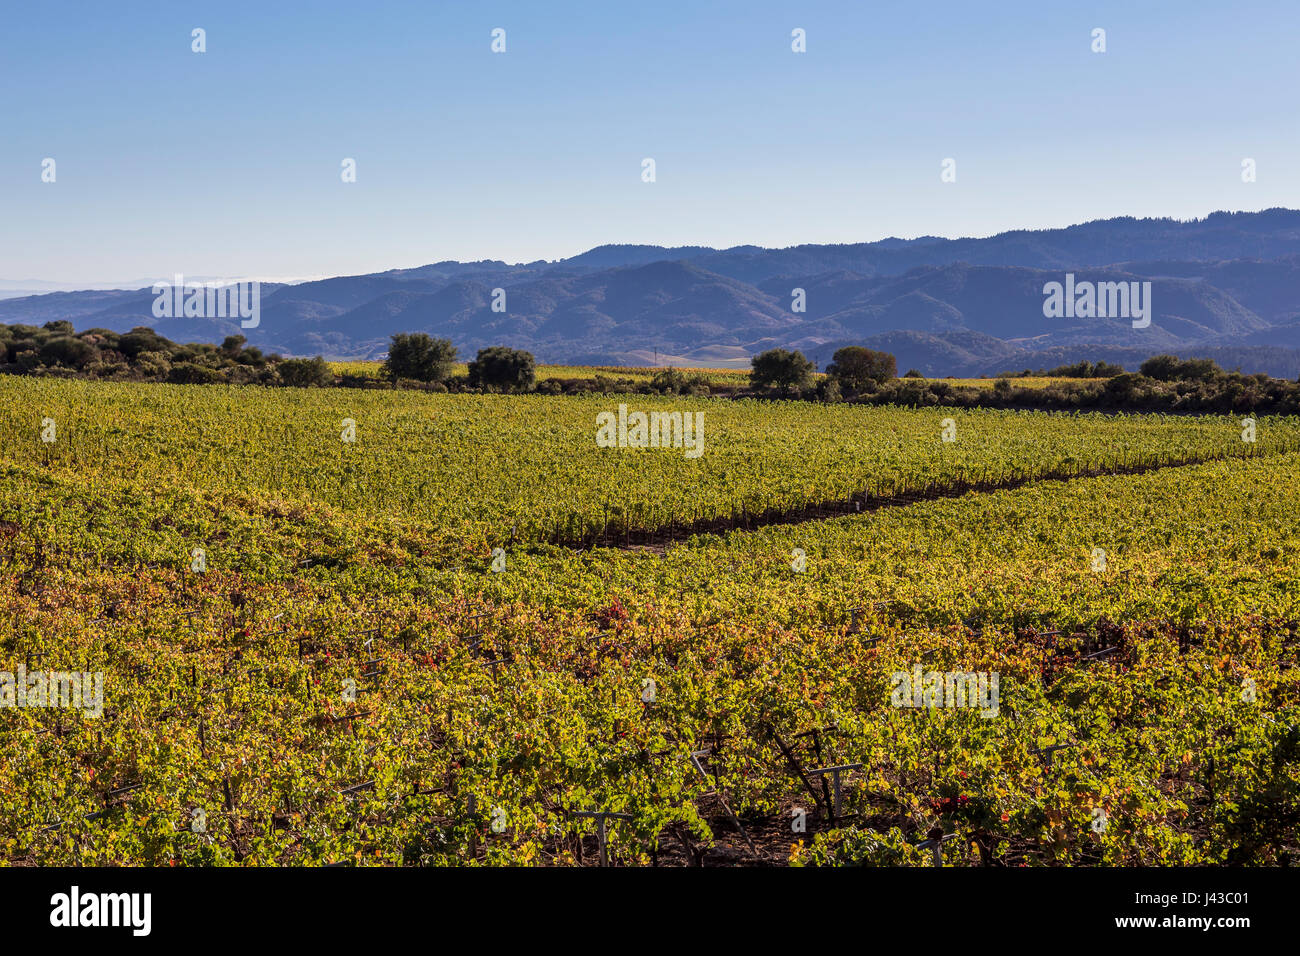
x: 1229, y: 282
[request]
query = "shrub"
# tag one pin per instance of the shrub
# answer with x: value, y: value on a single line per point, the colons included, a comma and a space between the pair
x: 1126, y: 388
x: 503, y: 369
x: 141, y: 339
x: 1170, y: 368
x: 306, y: 373
x: 668, y: 382
x: 855, y: 367
x: 104, y: 370
x: 828, y: 389
x: 187, y: 373
x: 551, y: 386
x: 152, y: 365
x: 417, y: 356
x: 1085, y: 369
x: 67, y: 351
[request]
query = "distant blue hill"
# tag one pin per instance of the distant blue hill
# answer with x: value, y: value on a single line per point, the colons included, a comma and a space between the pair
x: 1228, y: 282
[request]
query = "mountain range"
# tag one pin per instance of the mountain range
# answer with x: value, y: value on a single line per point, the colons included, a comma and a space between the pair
x: 1226, y: 286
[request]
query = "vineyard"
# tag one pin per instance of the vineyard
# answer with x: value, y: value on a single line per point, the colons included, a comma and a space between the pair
x: 363, y: 627
x: 716, y: 376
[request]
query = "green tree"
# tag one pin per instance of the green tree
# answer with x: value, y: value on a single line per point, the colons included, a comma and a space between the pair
x: 781, y: 368
x: 502, y: 368
x: 857, y: 368
x: 417, y: 356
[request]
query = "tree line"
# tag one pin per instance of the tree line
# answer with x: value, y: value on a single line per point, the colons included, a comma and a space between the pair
x: 857, y: 374
x: 1163, y: 383
x: 142, y: 355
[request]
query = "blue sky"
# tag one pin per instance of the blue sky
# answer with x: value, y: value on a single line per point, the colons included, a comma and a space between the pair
x: 228, y: 162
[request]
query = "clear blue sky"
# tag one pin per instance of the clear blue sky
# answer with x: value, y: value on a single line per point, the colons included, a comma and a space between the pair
x: 228, y: 162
